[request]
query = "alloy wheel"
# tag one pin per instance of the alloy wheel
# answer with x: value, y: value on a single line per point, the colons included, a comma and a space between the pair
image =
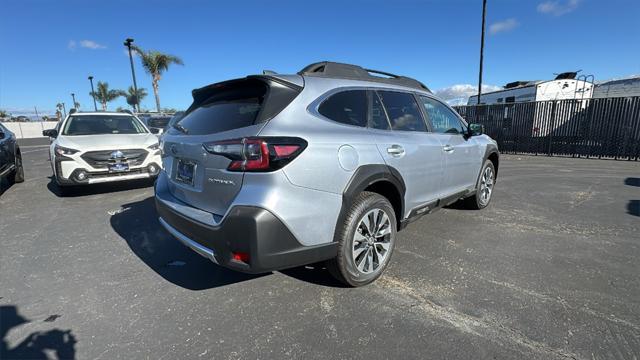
x: 372, y: 241
x: 486, y: 185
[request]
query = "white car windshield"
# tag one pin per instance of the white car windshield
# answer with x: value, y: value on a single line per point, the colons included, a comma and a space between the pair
x: 102, y: 124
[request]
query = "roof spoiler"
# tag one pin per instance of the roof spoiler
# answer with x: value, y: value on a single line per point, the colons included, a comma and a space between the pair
x: 354, y: 72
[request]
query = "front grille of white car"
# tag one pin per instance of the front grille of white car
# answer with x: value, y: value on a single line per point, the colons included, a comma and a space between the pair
x: 102, y: 159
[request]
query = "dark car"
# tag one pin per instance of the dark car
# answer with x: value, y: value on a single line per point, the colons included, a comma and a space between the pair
x: 10, y: 157
x: 156, y: 121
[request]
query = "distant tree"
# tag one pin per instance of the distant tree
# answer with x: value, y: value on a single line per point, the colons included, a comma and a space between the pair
x: 134, y: 100
x: 155, y: 63
x: 104, y: 95
x: 3, y: 113
x: 58, y: 115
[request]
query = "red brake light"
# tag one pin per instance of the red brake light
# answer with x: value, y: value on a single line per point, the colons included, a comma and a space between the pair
x: 285, y: 150
x: 257, y: 154
x: 241, y: 256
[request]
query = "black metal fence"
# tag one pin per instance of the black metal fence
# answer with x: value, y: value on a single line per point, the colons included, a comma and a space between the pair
x: 600, y: 128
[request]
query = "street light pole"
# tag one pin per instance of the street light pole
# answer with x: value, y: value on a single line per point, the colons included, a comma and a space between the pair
x: 64, y: 108
x: 73, y: 96
x: 127, y: 43
x: 92, y: 93
x: 484, y: 12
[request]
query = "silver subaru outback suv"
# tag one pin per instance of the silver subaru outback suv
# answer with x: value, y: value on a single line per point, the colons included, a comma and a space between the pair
x: 276, y: 171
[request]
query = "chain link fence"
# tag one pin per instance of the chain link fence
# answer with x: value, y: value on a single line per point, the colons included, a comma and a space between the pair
x: 591, y: 128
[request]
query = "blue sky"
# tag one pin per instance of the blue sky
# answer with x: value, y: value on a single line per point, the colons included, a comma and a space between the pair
x: 50, y: 47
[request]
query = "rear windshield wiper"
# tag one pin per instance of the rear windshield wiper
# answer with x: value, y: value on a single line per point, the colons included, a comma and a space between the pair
x: 181, y: 128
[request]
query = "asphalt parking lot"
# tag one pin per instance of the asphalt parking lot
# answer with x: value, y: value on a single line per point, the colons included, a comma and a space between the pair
x: 551, y: 270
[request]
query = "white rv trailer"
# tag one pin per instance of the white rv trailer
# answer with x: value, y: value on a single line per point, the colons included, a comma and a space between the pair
x: 544, y: 118
x: 628, y: 87
x: 563, y: 87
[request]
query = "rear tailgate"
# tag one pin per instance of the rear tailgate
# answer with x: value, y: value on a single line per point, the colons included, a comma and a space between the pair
x: 230, y: 110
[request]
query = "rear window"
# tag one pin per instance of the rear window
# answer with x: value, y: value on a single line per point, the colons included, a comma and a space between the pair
x: 234, y: 105
x: 346, y: 107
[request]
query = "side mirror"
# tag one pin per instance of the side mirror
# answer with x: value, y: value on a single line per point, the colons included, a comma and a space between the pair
x: 476, y: 129
x: 52, y: 133
x: 154, y: 130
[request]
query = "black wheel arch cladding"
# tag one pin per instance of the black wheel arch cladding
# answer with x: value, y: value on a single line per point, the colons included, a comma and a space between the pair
x: 491, y: 153
x: 367, y: 176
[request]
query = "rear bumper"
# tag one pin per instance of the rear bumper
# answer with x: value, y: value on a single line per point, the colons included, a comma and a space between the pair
x: 246, y: 229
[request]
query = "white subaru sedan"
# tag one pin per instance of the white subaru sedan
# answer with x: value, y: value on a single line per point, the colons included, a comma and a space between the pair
x: 99, y: 147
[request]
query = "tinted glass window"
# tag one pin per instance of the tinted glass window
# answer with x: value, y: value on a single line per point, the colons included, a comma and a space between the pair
x: 403, y: 111
x: 158, y: 122
x: 443, y: 120
x: 228, y: 108
x: 102, y: 124
x: 378, y: 117
x: 347, y: 107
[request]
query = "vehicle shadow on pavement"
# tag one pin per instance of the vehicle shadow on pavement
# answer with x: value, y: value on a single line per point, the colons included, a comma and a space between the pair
x: 39, y: 344
x: 632, y: 181
x: 138, y: 225
x: 633, y: 207
x: 4, y: 186
x: 314, y: 273
x: 94, y: 189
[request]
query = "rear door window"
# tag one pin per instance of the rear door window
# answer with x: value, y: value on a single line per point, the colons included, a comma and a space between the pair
x: 403, y: 111
x: 346, y: 107
x: 377, y: 116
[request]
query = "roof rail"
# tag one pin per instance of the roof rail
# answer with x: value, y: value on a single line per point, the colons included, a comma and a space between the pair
x: 347, y: 71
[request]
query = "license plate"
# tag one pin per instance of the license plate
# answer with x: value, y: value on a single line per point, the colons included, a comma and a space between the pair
x: 119, y: 167
x: 185, y: 171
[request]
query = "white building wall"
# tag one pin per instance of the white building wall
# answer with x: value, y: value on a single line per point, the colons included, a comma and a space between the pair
x: 29, y: 129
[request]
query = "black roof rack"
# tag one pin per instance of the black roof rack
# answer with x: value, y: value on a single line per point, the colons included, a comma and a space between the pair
x: 347, y: 71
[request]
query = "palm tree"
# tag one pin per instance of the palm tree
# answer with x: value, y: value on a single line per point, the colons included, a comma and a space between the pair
x: 104, y: 95
x: 132, y: 99
x: 155, y: 63
x: 59, y: 110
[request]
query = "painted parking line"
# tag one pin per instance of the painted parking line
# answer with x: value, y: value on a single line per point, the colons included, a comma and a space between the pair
x: 40, y: 148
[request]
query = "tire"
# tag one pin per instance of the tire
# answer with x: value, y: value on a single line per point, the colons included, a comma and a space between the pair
x: 360, y: 259
x: 18, y: 173
x: 484, y: 189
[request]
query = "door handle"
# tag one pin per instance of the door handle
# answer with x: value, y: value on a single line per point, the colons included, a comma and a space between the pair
x: 395, y: 150
x: 448, y: 148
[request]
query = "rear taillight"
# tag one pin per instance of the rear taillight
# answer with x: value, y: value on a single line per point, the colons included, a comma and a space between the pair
x: 257, y: 154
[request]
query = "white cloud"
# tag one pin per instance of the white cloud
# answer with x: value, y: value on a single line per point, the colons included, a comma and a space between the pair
x: 90, y: 44
x: 558, y: 8
x: 459, y: 94
x: 503, y: 26
x: 71, y: 45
